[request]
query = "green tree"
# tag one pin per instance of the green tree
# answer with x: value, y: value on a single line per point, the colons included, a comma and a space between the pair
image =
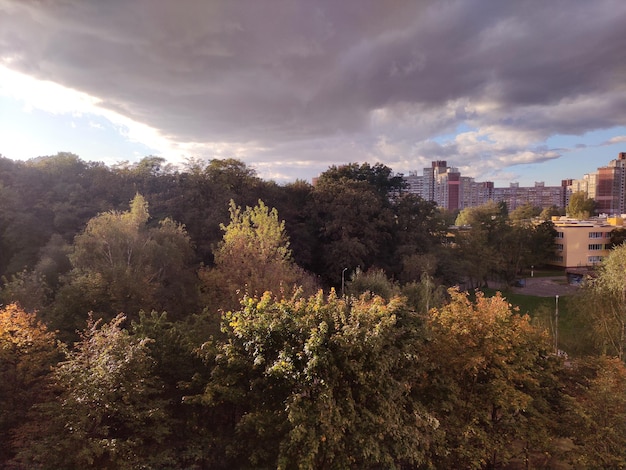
x: 478, y: 241
x: 105, y: 411
x: 541, y: 243
x: 152, y: 166
x: 604, y: 300
x: 121, y: 264
x: 378, y: 176
x: 596, y: 419
x: 425, y: 294
x: 374, y: 281
x: 293, y: 204
x: 419, y: 231
x: 548, y: 212
x: 490, y: 217
x: 352, y: 210
x: 580, y: 205
x: 489, y: 245
x: 523, y: 245
x: 488, y: 381
x: 205, y: 189
x: 181, y: 372
x: 152, y: 177
x: 524, y: 213
x: 35, y: 289
x: 355, y: 227
x: 321, y: 383
x: 618, y: 236
x: 25, y: 226
x: 43, y: 197
x: 27, y: 288
x: 231, y: 174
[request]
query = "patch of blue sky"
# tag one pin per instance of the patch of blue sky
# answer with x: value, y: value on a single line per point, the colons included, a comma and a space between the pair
x: 579, y: 155
x: 448, y: 138
x: 585, y: 154
x: 589, y: 139
x: 30, y: 132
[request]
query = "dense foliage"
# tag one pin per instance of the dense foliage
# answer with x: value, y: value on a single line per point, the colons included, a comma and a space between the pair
x: 204, y: 318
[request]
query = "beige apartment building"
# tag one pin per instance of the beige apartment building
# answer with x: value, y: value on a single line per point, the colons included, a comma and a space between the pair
x: 582, y: 243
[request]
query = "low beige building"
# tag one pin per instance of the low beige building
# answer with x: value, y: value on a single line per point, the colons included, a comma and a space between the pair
x: 582, y: 243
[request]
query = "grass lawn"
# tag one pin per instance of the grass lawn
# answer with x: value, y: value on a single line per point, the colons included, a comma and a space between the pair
x: 528, y: 304
x: 572, y: 330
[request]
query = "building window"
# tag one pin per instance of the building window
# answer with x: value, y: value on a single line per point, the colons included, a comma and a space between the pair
x: 594, y: 259
x: 595, y: 246
x: 559, y: 246
x: 596, y: 234
x: 560, y: 234
x: 558, y: 259
x: 607, y: 246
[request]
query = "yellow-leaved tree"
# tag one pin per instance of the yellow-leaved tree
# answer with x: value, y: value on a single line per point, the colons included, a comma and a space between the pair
x: 253, y: 257
x: 27, y: 352
x: 489, y: 372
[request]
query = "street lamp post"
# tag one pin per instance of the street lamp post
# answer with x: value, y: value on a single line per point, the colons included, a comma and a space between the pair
x: 556, y: 327
x: 532, y: 271
x: 343, y: 282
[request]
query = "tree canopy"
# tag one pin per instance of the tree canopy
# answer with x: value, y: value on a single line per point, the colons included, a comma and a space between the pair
x: 103, y: 412
x: 235, y: 351
x: 122, y: 264
x: 253, y: 257
x: 580, y: 206
x: 318, y: 382
x: 488, y: 367
x: 28, y: 350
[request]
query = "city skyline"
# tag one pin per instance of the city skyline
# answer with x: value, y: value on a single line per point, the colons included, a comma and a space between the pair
x: 510, y: 92
x: 443, y: 183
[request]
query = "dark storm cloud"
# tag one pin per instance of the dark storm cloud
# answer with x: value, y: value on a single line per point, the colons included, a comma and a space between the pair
x: 330, y: 81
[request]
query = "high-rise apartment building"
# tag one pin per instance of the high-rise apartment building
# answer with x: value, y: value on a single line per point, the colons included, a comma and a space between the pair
x: 439, y: 183
x: 445, y: 186
x: 587, y: 184
x: 538, y: 195
x: 607, y: 186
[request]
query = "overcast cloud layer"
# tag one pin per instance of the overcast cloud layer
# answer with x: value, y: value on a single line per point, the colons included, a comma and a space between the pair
x: 292, y: 87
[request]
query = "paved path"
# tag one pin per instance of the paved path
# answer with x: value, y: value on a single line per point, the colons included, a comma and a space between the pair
x: 545, y: 287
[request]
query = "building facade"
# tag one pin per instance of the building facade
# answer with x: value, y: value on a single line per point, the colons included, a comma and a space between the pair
x: 538, y: 195
x: 607, y: 186
x: 581, y: 243
x: 445, y: 186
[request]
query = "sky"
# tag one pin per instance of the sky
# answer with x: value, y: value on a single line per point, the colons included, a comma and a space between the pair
x: 522, y: 91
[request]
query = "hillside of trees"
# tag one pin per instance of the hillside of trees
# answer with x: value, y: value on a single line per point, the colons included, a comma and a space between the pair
x: 203, y: 318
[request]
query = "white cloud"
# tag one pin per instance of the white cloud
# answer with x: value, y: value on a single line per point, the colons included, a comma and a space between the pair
x: 615, y: 140
x: 293, y: 89
x: 59, y: 100
x: 44, y: 95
